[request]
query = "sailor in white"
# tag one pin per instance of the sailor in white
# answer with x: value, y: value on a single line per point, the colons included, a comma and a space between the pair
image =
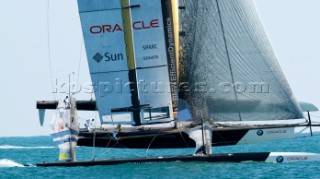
x: 66, y: 102
x: 87, y: 124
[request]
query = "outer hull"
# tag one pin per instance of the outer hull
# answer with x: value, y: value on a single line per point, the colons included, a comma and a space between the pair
x: 237, y: 157
x: 277, y: 157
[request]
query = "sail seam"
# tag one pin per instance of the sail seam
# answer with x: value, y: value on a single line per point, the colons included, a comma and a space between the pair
x: 128, y: 7
x: 92, y: 73
x: 151, y: 67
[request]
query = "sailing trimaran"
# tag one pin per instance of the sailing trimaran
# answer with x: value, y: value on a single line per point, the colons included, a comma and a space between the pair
x: 174, y: 74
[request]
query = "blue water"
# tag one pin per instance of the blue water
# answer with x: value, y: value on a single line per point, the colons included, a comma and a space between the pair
x: 32, y: 150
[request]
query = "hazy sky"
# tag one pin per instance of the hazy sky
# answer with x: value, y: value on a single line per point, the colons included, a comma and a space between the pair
x: 293, y: 27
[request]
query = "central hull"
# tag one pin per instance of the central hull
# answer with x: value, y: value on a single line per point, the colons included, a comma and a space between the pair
x: 179, y: 139
x: 156, y: 139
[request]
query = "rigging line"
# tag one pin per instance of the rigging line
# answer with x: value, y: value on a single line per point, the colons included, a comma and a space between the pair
x: 94, y: 137
x: 108, y: 143
x: 185, y: 142
x: 94, y: 144
x: 108, y: 150
x: 150, y: 145
x: 79, y: 64
x: 49, y: 50
x: 203, y: 140
x: 228, y: 56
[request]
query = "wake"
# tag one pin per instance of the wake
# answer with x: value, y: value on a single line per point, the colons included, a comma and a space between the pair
x: 4, y: 163
x: 25, y: 147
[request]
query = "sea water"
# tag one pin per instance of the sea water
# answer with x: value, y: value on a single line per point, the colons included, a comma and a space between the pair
x: 18, y: 156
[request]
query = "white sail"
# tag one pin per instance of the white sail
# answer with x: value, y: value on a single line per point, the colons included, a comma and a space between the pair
x: 102, y: 26
x: 127, y: 48
x: 151, y: 60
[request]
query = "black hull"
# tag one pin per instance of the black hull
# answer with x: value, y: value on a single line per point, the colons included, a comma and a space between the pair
x: 156, y: 139
x: 235, y: 157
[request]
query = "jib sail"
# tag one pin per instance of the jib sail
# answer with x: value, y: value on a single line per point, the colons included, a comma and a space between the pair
x: 230, y: 70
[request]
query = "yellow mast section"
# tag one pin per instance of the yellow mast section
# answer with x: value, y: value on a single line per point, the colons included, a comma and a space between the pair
x: 128, y: 33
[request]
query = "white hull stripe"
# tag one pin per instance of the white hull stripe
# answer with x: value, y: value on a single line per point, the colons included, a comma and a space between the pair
x: 273, y: 134
x: 63, y: 133
x: 281, y: 157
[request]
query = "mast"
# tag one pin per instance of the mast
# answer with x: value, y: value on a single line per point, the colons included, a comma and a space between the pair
x: 70, y: 105
x: 128, y: 36
x: 171, y: 22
